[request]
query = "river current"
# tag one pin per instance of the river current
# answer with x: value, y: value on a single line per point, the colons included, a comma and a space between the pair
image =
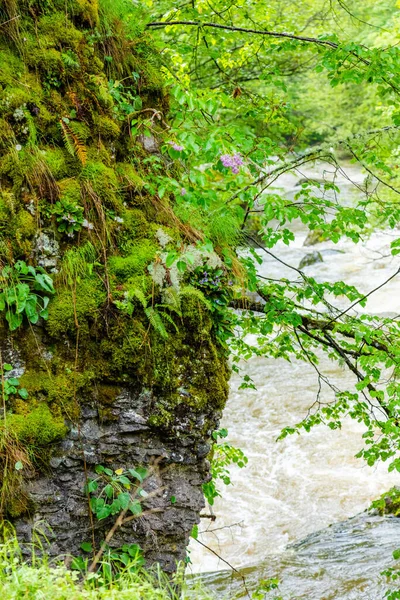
x: 274, y: 519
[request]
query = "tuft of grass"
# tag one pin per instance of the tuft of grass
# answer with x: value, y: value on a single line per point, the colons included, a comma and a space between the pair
x: 44, y: 578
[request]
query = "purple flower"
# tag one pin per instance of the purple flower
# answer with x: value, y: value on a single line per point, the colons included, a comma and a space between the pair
x: 183, y: 191
x: 232, y: 161
x: 176, y: 146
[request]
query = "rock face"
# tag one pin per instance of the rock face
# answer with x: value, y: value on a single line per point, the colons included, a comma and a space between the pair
x: 62, y: 506
x: 112, y: 357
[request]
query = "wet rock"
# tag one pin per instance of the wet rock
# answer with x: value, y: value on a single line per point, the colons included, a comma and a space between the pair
x: 149, y: 143
x: 47, y: 251
x: 180, y: 468
x: 311, y: 259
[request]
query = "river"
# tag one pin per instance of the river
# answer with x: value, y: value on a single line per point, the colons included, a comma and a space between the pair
x: 292, y: 490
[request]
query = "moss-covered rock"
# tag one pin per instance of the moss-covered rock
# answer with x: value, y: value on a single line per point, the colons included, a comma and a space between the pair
x: 74, y: 198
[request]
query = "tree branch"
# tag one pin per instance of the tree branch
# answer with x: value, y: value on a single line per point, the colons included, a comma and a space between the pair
x: 276, y: 34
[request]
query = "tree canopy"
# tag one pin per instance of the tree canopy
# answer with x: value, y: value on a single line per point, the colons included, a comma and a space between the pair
x: 259, y: 89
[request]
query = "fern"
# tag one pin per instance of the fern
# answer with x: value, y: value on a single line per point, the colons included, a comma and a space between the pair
x: 172, y: 299
x: 167, y: 317
x: 195, y: 293
x: 156, y: 321
x: 73, y: 141
x: 139, y: 295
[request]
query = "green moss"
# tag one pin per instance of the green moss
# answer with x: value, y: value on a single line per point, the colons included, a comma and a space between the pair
x: 22, y: 229
x: 103, y: 182
x: 71, y: 309
x: 70, y: 190
x: 125, y: 349
x: 56, y: 29
x: 55, y: 160
x: 141, y: 254
x: 38, y: 428
x: 106, y: 127
x: 59, y: 390
x: 96, y: 348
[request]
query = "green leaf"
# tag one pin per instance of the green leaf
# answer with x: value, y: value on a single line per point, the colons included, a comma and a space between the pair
x: 23, y: 393
x: 124, y: 480
x: 173, y: 499
x: 86, y: 547
x: 92, y: 486
x: 124, y: 500
x: 14, y: 320
x: 109, y: 491
x: 195, y: 532
x: 136, y: 474
x: 135, y: 507
x: 7, y: 367
x: 19, y: 466
x: 103, y: 513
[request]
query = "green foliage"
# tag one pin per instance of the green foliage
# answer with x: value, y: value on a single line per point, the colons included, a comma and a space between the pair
x: 10, y: 385
x: 23, y: 292
x: 115, y: 491
x: 69, y: 216
x: 222, y: 456
x: 52, y: 580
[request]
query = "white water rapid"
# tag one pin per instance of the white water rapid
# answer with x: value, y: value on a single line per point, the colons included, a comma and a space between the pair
x: 302, y: 484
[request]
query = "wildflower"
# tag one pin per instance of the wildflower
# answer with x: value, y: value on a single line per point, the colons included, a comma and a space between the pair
x: 232, y: 161
x: 118, y: 219
x: 85, y: 223
x: 69, y: 218
x: 176, y: 146
x: 18, y: 147
x: 183, y: 191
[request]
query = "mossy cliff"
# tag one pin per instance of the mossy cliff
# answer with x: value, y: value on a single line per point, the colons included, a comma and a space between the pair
x: 125, y: 363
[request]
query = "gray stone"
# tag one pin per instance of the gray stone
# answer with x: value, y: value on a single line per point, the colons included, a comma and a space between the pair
x: 47, y: 250
x: 311, y: 259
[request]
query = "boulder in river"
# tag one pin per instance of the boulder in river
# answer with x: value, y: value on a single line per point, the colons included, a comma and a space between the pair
x: 311, y: 259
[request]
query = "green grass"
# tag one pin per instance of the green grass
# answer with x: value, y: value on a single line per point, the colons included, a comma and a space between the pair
x: 49, y: 579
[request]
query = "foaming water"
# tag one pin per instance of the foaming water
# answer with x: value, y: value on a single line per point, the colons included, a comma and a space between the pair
x: 342, y: 562
x: 301, y: 484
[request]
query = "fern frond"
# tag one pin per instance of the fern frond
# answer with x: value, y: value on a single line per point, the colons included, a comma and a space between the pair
x: 156, y: 321
x: 167, y: 317
x: 73, y: 143
x: 177, y: 311
x: 188, y: 290
x: 171, y: 297
x: 139, y: 295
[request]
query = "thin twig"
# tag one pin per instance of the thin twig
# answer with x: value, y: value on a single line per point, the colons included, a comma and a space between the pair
x: 227, y: 563
x: 9, y: 20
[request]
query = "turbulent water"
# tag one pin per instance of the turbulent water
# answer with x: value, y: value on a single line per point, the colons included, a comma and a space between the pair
x: 296, y: 487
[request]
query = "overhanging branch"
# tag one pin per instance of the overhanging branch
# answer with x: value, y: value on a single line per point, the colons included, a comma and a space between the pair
x: 276, y: 34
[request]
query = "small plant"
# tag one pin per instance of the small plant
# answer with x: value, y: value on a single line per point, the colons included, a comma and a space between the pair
x: 266, y: 586
x: 129, y: 557
x: 69, y: 216
x: 222, y: 455
x: 113, y: 491
x: 125, y: 103
x: 116, y: 493
x: 10, y: 385
x: 24, y: 290
x: 154, y: 316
